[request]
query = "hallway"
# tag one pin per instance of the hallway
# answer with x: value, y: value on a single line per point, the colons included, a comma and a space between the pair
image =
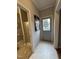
x: 44, y: 50
x: 37, y: 29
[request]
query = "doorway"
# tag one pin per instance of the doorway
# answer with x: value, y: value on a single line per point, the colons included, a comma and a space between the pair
x: 46, y: 28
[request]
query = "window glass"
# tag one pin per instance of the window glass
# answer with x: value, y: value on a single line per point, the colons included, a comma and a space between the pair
x: 46, y: 24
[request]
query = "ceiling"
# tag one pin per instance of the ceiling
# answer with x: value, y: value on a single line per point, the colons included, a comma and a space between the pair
x: 43, y: 4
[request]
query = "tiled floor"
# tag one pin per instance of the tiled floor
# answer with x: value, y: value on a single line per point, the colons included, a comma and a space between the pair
x: 44, y: 50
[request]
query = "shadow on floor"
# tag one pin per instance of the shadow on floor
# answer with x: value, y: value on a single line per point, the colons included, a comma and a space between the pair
x: 59, y: 52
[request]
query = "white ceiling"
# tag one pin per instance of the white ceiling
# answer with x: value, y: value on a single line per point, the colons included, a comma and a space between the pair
x: 43, y: 4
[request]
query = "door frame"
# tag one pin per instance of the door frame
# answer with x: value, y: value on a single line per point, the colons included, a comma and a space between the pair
x: 29, y: 20
x: 50, y: 26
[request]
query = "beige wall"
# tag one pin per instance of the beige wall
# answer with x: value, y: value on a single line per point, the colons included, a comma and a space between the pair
x: 48, y: 13
x: 56, y: 29
x: 56, y: 23
x: 28, y: 5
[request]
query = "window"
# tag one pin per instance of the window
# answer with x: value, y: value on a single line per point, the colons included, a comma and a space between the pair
x: 46, y: 24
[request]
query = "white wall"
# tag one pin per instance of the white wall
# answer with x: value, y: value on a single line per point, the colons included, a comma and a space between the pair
x: 35, y: 36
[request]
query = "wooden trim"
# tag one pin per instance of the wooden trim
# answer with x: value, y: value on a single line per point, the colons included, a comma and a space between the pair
x: 21, y: 24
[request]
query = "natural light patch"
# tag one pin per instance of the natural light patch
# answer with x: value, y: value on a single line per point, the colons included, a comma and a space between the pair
x: 46, y: 24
